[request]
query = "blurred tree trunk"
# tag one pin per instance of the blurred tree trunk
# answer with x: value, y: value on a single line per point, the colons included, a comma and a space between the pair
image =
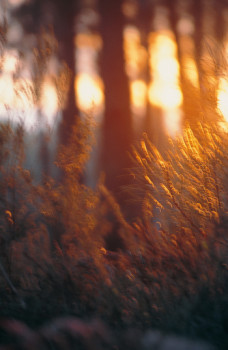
x: 197, y: 13
x: 219, y: 8
x: 145, y: 19
x: 220, y: 35
x: 66, y: 12
x: 117, y: 124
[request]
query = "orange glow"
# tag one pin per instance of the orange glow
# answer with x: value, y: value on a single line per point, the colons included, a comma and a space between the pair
x: 138, y: 91
x: 167, y: 68
x: 49, y: 101
x: 130, y: 9
x: 222, y: 98
x: 173, y: 121
x: 10, y: 61
x: 91, y: 40
x: 164, y: 47
x: 89, y: 92
x: 6, y: 90
x: 136, y: 55
x: 191, y: 70
x: 167, y: 97
x: 164, y: 90
x: 223, y: 126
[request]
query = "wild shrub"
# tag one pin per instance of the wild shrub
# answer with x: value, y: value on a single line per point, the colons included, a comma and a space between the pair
x: 19, y: 207
x: 182, y: 242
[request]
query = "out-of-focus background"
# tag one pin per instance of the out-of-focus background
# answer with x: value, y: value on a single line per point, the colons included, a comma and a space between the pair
x: 134, y: 66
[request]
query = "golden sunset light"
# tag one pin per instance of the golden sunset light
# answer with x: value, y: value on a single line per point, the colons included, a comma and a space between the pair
x: 165, y: 96
x: 191, y: 72
x: 88, y: 40
x: 138, y: 90
x: 135, y: 53
x: 222, y: 98
x: 173, y: 121
x: 187, y: 47
x: 164, y: 90
x: 6, y: 89
x: 89, y: 92
x: 49, y: 101
x: 9, y: 61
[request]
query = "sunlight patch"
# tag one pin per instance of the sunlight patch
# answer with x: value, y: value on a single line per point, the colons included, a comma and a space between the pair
x: 164, y: 90
x: 222, y: 98
x: 89, y: 92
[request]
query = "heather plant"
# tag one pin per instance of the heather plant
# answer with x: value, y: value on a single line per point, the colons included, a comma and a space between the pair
x: 174, y: 252
x: 69, y: 206
x: 18, y: 205
x: 185, y: 185
x: 182, y: 228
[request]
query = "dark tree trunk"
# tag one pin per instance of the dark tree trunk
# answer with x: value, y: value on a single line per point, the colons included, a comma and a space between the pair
x: 64, y: 29
x: 219, y: 8
x: 117, y: 125
x: 220, y: 33
x: 145, y: 19
x: 197, y: 12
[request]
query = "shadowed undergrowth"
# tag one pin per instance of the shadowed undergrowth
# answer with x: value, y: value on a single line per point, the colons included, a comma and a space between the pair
x: 166, y: 269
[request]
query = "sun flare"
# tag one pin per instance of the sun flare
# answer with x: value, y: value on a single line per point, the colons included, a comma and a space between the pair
x: 49, y: 101
x: 167, y: 97
x: 222, y: 98
x: 6, y: 90
x: 135, y: 52
x: 89, y: 91
x: 191, y: 71
x: 164, y: 91
x: 9, y: 61
x: 138, y: 90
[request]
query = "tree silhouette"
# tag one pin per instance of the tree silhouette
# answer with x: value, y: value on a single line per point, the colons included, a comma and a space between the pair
x: 65, y: 31
x: 145, y: 19
x: 117, y: 125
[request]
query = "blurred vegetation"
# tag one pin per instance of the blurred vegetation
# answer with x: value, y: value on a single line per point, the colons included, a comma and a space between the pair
x: 67, y: 249
x: 166, y: 269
